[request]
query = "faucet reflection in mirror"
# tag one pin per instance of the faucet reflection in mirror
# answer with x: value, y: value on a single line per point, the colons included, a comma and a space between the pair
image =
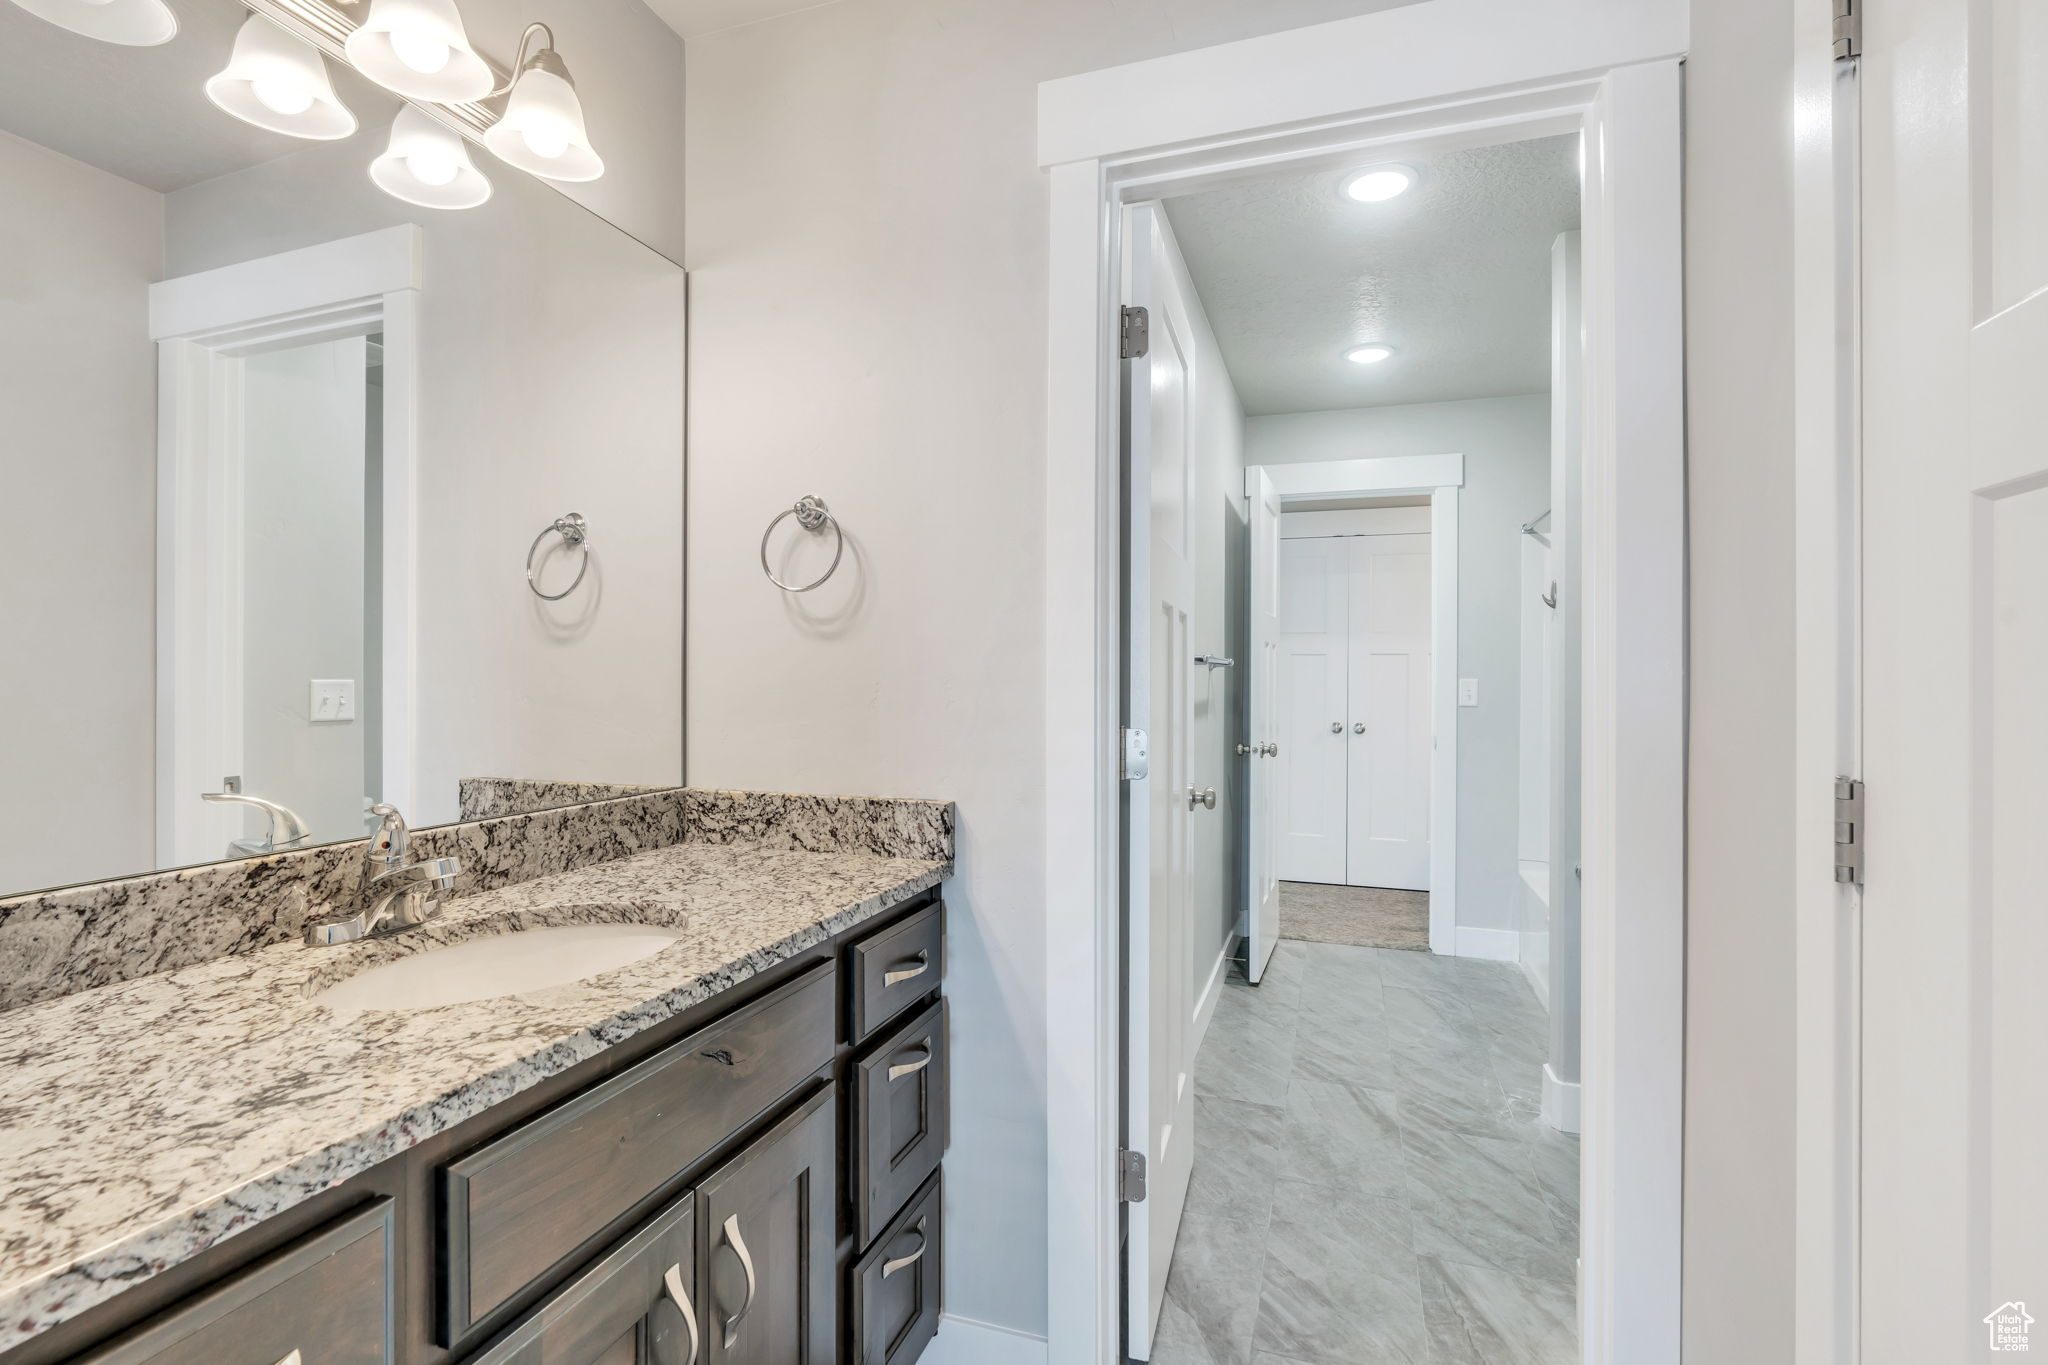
x: 276, y: 79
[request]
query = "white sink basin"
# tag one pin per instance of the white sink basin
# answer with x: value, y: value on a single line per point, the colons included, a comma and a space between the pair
x: 507, y: 964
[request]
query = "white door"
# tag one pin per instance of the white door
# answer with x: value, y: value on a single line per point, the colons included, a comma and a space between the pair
x: 1954, y: 1077
x: 1387, y: 829
x: 1262, y: 725
x: 1159, y: 672
x: 1315, y: 646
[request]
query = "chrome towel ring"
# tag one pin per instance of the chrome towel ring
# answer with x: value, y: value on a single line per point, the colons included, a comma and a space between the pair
x: 575, y: 533
x: 811, y: 514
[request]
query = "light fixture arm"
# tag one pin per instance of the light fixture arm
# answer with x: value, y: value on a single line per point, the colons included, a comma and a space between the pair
x: 546, y: 57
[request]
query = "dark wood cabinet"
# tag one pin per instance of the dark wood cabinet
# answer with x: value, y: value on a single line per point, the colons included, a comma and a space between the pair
x: 896, y: 1286
x: 896, y: 966
x: 521, y: 1204
x: 768, y: 1244
x: 637, y: 1306
x: 323, y: 1300
x: 899, y: 1091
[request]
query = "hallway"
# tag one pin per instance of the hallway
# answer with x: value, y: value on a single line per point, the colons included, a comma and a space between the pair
x: 1371, y: 1181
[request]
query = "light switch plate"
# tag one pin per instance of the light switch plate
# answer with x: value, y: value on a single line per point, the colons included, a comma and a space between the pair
x: 333, y: 700
x: 1468, y: 691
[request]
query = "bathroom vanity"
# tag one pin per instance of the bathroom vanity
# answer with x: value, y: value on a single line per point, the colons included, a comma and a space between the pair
x: 727, y: 1150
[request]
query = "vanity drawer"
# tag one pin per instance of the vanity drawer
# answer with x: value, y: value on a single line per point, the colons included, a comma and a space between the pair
x: 897, y: 967
x: 324, y: 1300
x: 896, y: 1286
x: 636, y: 1305
x: 899, y: 1118
x: 516, y: 1207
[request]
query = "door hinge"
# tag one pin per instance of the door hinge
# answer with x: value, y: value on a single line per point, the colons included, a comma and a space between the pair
x: 1849, y: 834
x: 1137, y: 332
x: 1848, y: 29
x: 1136, y: 762
x: 1130, y: 1177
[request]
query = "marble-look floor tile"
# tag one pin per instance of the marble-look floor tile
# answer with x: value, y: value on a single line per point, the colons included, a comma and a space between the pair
x: 1237, y: 1158
x: 1212, y: 1292
x: 1474, y: 1200
x: 1453, y: 1091
x: 1340, y: 1283
x: 1428, y: 1018
x: 1246, y: 1057
x: 1478, y: 1316
x: 1342, y: 1137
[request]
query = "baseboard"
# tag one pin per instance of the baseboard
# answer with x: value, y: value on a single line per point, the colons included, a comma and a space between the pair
x: 1537, y: 977
x: 1205, y: 1008
x: 963, y: 1341
x: 1498, y: 945
x: 1560, y: 1102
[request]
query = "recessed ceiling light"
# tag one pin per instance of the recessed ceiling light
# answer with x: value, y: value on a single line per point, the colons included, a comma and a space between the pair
x: 1371, y: 354
x: 1378, y: 183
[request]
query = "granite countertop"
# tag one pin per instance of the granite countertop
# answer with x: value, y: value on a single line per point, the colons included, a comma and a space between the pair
x: 143, y: 1122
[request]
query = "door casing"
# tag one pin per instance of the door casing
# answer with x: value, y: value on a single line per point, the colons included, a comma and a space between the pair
x: 1403, y: 80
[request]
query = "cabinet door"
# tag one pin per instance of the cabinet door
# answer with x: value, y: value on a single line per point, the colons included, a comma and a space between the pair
x: 768, y: 1242
x: 636, y: 1306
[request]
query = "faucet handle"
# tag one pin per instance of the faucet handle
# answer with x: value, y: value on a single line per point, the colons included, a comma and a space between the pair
x: 389, y: 843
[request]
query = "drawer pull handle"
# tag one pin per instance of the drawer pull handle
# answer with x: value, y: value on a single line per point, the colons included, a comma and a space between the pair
x: 897, y: 1073
x: 672, y: 1278
x: 901, y: 973
x: 905, y: 1262
x: 739, y: 1246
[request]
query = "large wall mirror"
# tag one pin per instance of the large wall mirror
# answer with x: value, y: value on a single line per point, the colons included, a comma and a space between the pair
x: 343, y: 463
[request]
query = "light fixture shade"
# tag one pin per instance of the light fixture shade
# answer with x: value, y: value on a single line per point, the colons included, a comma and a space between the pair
x: 277, y: 82
x: 1377, y: 184
x: 131, y: 23
x: 542, y: 129
x: 1372, y: 353
x: 419, y: 49
x: 428, y: 164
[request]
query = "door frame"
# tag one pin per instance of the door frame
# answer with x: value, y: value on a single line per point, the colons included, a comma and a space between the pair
x: 1328, y: 95
x: 204, y: 324
x: 1438, y: 477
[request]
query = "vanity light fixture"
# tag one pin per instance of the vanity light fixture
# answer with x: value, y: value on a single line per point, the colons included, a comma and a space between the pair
x: 428, y: 164
x: 277, y: 82
x: 1371, y: 354
x: 1376, y: 184
x: 419, y: 49
x: 541, y: 131
x: 131, y: 23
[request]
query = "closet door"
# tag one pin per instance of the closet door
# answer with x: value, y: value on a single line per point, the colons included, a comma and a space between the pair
x: 1314, y: 661
x: 1388, y: 735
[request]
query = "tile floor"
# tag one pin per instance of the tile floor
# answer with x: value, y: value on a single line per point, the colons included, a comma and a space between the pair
x: 1372, y: 1182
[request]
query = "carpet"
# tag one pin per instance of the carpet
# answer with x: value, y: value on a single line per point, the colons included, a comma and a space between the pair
x: 1366, y: 916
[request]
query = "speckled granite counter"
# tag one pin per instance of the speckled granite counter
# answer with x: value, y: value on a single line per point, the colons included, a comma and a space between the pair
x: 144, y: 1121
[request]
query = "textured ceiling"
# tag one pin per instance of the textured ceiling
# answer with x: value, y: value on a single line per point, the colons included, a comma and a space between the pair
x: 694, y: 18
x: 1454, y: 275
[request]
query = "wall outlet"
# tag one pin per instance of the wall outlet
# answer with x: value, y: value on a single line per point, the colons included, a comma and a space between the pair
x: 333, y: 700
x: 1468, y: 691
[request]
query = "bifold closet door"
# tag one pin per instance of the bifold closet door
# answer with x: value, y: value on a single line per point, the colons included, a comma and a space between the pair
x: 1388, y: 734
x: 1314, y: 708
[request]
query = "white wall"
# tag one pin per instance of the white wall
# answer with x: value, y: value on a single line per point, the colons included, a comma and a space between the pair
x: 303, y: 451
x: 1506, y: 445
x: 1739, y: 1020
x: 78, y: 249
x: 867, y: 232
x: 551, y: 350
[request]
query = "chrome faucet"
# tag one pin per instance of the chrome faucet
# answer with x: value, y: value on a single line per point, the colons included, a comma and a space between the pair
x: 396, y: 894
x: 285, y: 831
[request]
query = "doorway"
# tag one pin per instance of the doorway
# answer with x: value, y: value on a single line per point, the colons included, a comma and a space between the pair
x: 1107, y: 145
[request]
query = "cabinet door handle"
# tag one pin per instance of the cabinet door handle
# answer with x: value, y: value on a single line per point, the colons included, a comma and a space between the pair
x: 739, y: 1246
x: 672, y: 1278
x: 901, y: 973
x: 897, y: 1073
x: 905, y: 1262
